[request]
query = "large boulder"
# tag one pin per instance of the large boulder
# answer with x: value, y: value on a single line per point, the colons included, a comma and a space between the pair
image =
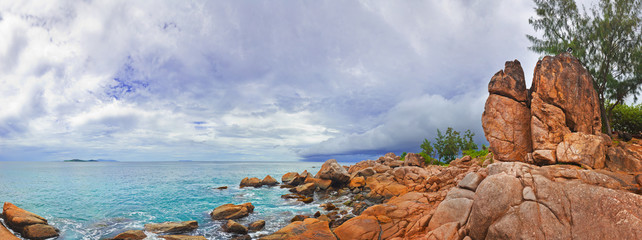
x: 333, y: 171
x: 564, y: 101
x: 231, y: 211
x: 171, y: 227
x: 28, y: 224
x: 583, y: 149
x: 625, y: 157
x: 506, y: 117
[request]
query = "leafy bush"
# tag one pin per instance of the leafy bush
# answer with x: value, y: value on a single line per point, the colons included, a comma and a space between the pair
x: 403, y: 156
x: 476, y: 153
x: 627, y: 118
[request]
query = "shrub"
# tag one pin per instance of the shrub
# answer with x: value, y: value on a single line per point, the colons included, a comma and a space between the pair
x: 627, y: 118
x: 476, y: 153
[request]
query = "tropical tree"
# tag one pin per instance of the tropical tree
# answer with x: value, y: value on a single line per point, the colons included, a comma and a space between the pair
x: 607, y: 39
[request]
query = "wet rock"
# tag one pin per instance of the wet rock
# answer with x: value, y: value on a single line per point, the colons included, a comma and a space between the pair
x: 298, y: 218
x: 250, y: 182
x: 257, y: 225
x: 308, y: 229
x: 171, y: 227
x: 305, y: 189
x: 292, y: 179
x: 231, y: 211
x: 269, y: 181
x: 333, y: 171
x: 242, y: 237
x: 182, y: 237
x: 322, y: 184
x: 328, y: 206
x: 222, y: 188
x: 28, y: 224
x: 131, y: 235
x: 232, y: 226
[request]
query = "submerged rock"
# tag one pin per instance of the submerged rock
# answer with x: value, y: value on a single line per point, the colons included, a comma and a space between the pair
x: 131, y: 235
x: 182, y: 237
x: 171, y: 227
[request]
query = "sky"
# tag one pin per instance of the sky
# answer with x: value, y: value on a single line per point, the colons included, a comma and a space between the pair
x: 248, y: 80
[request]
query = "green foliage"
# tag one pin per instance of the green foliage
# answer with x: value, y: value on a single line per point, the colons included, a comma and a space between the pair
x: 627, y: 118
x: 426, y: 147
x: 403, y: 156
x: 476, y: 153
x: 607, y: 40
x: 430, y: 160
x: 449, y: 145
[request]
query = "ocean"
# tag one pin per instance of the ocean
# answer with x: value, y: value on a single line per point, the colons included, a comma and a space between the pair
x: 95, y: 200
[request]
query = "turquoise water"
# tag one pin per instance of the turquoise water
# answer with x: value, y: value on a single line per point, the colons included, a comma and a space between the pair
x: 101, y: 199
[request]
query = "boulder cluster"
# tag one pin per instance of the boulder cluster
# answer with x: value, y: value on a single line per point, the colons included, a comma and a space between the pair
x: 557, y: 120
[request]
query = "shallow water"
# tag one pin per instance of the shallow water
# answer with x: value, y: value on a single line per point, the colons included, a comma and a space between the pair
x: 101, y: 199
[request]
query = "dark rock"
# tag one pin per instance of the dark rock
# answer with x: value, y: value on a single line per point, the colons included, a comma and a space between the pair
x: 257, y: 225
x: 298, y: 218
x: 171, y: 227
x: 232, y: 226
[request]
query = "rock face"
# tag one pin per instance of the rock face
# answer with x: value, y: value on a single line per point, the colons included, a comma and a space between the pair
x: 131, y: 235
x: 231, y: 211
x: 171, y: 227
x: 583, y: 149
x: 29, y: 225
x: 522, y: 201
x: 625, y: 157
x: 528, y: 125
x: 506, y: 117
x: 333, y: 171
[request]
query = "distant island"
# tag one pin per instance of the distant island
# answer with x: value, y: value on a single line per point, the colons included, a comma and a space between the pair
x: 91, y: 160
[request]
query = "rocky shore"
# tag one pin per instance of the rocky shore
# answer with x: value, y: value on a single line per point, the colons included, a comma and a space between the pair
x: 551, y: 174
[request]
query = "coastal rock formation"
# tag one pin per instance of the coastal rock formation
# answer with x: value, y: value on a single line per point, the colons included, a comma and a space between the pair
x: 29, y: 225
x: 331, y: 170
x: 321, y: 184
x: 231, y: 211
x: 308, y: 229
x: 131, y: 235
x: 171, y: 227
x: 413, y: 159
x: 506, y: 117
x: 528, y: 125
x: 305, y: 189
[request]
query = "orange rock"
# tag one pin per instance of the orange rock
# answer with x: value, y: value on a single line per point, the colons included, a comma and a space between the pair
x: 360, y: 227
x: 308, y: 229
x: 319, y: 183
x: 6, y: 234
x: 269, y: 181
x: 27, y: 223
x: 131, y: 235
x: 357, y: 182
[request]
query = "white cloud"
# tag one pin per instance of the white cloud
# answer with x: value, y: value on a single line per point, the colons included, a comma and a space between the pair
x: 207, y: 80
